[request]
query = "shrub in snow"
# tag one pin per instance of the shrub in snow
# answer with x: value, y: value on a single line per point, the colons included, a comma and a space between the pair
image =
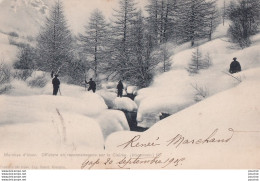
x: 22, y: 74
x: 5, y: 88
x: 199, y: 62
x: 196, y: 62
x: 200, y: 92
x: 207, y: 60
x: 14, y: 34
x: 30, y: 38
x: 39, y: 81
x: 26, y: 57
x: 5, y: 73
x: 13, y: 41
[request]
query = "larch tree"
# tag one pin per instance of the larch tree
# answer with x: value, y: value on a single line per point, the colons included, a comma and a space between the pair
x: 194, y: 19
x: 196, y: 62
x: 55, y: 43
x: 94, y: 43
x: 245, y: 20
x: 199, y: 62
x: 153, y: 20
x: 142, y: 62
x: 161, y: 20
x: 123, y: 21
x: 213, y: 18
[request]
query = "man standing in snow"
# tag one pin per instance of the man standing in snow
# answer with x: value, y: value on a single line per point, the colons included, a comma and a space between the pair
x: 235, y: 66
x: 120, y: 88
x: 92, y: 85
x: 56, y: 84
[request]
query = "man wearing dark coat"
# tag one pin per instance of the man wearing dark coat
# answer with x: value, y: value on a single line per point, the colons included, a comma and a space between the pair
x: 120, y: 88
x: 92, y: 85
x: 235, y: 66
x: 56, y: 84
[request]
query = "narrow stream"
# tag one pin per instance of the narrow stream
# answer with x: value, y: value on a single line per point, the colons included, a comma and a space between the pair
x: 132, y: 122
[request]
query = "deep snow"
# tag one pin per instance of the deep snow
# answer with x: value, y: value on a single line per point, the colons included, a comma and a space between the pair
x: 84, y: 114
x: 31, y: 119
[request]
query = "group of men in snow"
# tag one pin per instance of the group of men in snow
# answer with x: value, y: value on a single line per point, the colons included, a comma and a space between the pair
x: 234, y: 68
x: 92, y: 85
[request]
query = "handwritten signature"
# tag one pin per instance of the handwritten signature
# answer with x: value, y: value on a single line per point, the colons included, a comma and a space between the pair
x: 158, y: 160
x: 177, y: 141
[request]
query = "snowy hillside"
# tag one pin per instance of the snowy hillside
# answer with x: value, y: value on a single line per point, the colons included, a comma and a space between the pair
x: 176, y: 89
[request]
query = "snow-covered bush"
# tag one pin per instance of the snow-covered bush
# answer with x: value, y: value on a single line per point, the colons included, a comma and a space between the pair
x: 22, y: 74
x: 13, y: 40
x: 39, y: 81
x: 5, y: 77
x: 199, y: 62
x: 26, y: 57
x: 13, y: 34
x: 5, y: 73
x: 200, y: 92
x: 5, y: 88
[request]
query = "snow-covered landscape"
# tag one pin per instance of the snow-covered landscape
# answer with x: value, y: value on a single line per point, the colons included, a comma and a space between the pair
x: 80, y: 121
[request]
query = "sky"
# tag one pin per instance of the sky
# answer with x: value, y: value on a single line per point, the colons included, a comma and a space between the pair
x: 78, y: 11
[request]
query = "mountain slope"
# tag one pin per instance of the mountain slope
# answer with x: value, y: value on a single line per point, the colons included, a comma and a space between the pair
x: 22, y: 16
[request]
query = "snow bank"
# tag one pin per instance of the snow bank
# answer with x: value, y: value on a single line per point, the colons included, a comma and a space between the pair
x: 27, y: 107
x: 47, y: 122
x: 108, y: 97
x: 132, y: 90
x: 124, y: 103
x: 112, y: 121
x: 114, y: 102
x: 80, y: 118
x: 72, y: 133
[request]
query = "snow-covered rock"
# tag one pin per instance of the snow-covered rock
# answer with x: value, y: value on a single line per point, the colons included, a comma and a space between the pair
x: 125, y: 103
x: 108, y: 96
x: 112, y: 121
